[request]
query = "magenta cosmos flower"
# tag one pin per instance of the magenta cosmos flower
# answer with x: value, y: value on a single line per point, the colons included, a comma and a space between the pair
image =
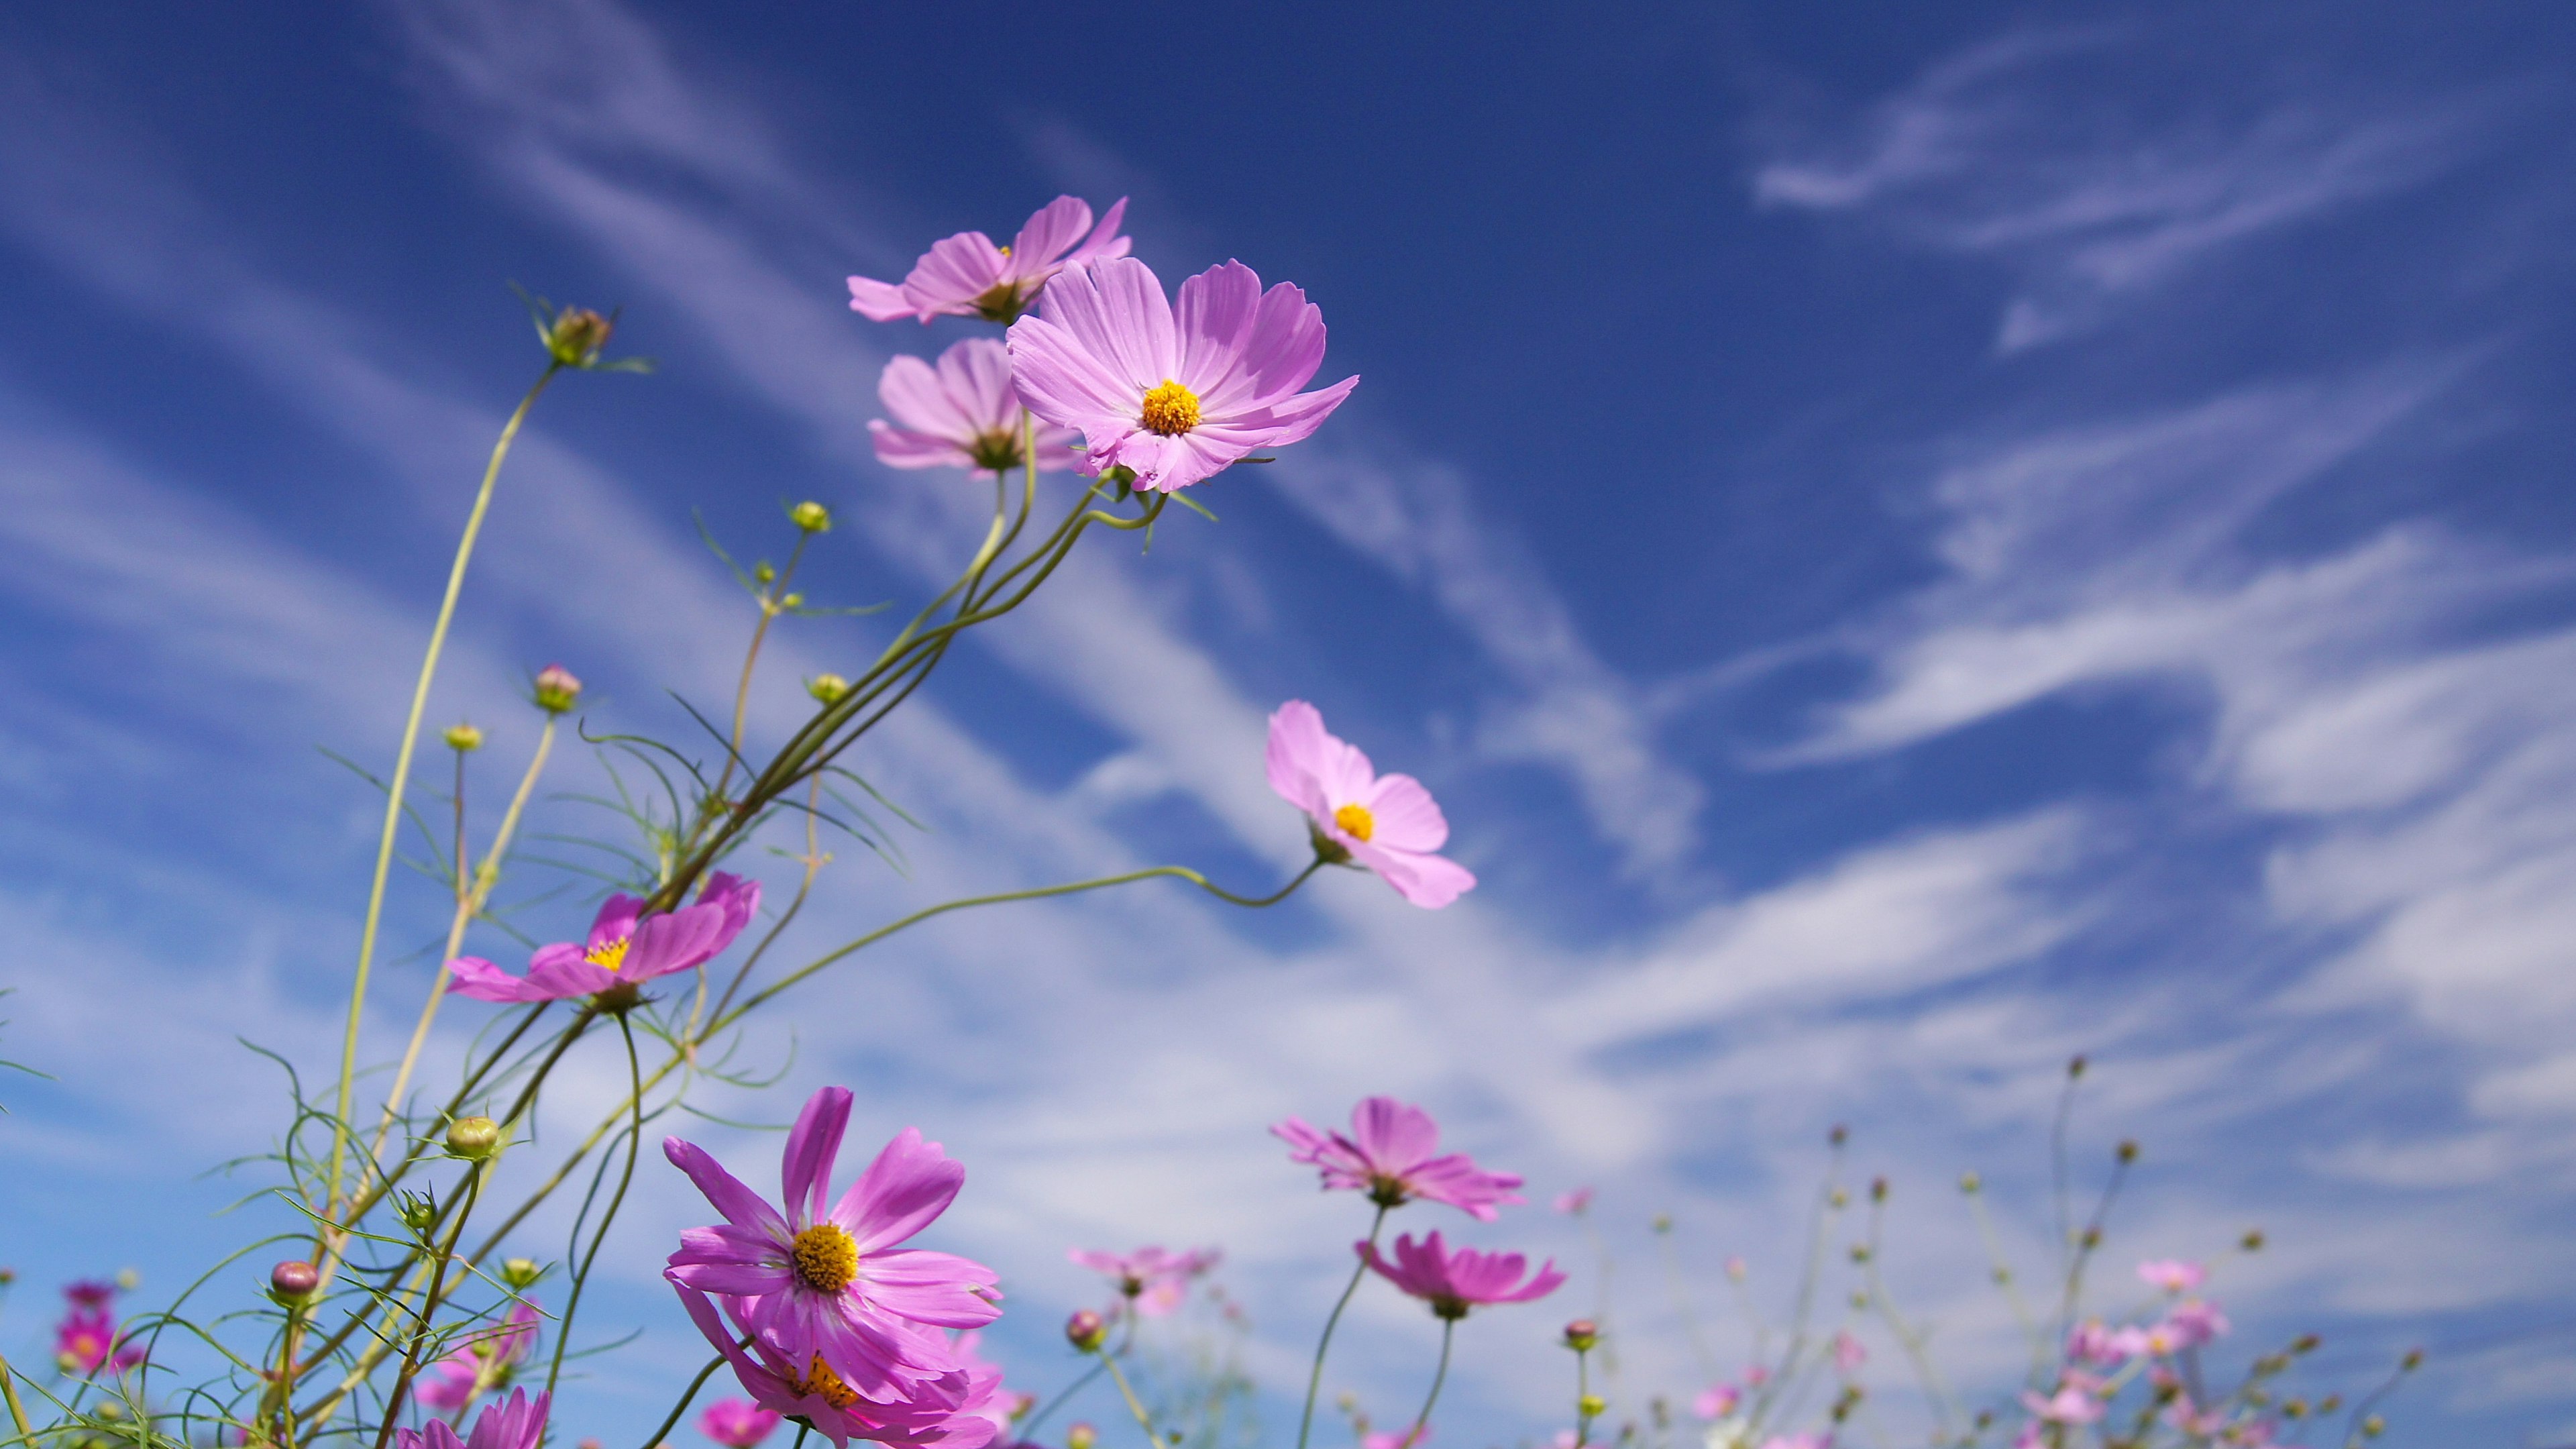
x: 484, y: 1364
x: 1389, y: 1154
x: 1153, y: 1277
x: 737, y: 1423
x: 968, y: 276
x: 1453, y: 1282
x: 950, y: 1410
x: 961, y: 414
x: 1173, y: 398
x: 621, y: 951
x: 1388, y: 823
x: 517, y: 1422
x: 2173, y: 1275
x: 829, y: 1289
x: 86, y: 1341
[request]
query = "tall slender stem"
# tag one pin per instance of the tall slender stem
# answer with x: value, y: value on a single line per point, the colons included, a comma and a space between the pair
x: 429, y: 1304
x: 687, y: 1396
x: 1315, y: 1375
x: 1135, y: 1405
x: 1448, y: 1332
x: 635, y: 1143
x: 17, y: 1410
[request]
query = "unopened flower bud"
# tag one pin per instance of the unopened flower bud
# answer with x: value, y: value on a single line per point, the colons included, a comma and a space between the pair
x: 1080, y: 1436
x: 2329, y: 1403
x: 827, y: 687
x: 1839, y: 1135
x: 2075, y: 1066
x: 8, y: 1276
x: 473, y: 1138
x: 1860, y: 1302
x: 67, y: 1362
x: 2373, y: 1427
x: 520, y: 1272
x: 294, y: 1279
x: 1878, y: 1189
x: 1663, y: 1222
x: 764, y: 572
x: 128, y: 1279
x: 1839, y: 1198
x: 2252, y: 1242
x: 2305, y: 1343
x: 811, y: 516
x: 2294, y: 1408
x: 463, y: 738
x: 2128, y: 1151
x: 557, y: 689
x: 792, y: 601
x: 2090, y: 1237
x: 576, y: 335
x: 1970, y: 1182
x: 1590, y: 1406
x: 1581, y: 1334
x: 2413, y: 1360
x: 110, y: 1410
x: 1021, y: 1403
x: 1085, y: 1330
x: 418, y: 1210
x: 1860, y: 1252
x: 1735, y: 1269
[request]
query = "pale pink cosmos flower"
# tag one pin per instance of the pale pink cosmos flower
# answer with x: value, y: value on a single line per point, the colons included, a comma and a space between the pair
x: 737, y: 1423
x: 1388, y: 823
x: 1452, y: 1282
x: 828, y: 1288
x: 1002, y: 1407
x: 1404, y: 1438
x: 1803, y: 1439
x: 967, y: 276
x: 1716, y: 1401
x: 1173, y: 395
x: 2070, y: 1404
x: 517, y: 1422
x: 949, y: 1411
x: 1153, y: 1278
x: 2188, y: 1418
x: 2173, y: 1275
x: 622, y: 951
x: 2196, y: 1321
x: 1755, y: 1375
x: 1849, y: 1354
x: 2090, y: 1342
x: 961, y: 414
x: 461, y: 1377
x: 1572, y: 1204
x: 1389, y: 1154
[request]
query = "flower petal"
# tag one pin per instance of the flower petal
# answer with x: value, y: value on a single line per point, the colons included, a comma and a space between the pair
x: 740, y: 1205
x: 1428, y: 881
x: 911, y: 391
x: 1048, y: 235
x: 480, y: 979
x: 1393, y: 1135
x: 1213, y: 319
x: 909, y: 1185
x: 934, y: 1288
x: 1406, y: 816
x: 1295, y: 765
x: 805, y: 1169
x: 879, y: 301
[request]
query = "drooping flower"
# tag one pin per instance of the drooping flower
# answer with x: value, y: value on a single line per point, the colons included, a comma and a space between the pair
x: 1849, y: 1354
x: 482, y: 1365
x: 1572, y: 1204
x: 967, y: 276
x: 2172, y: 1274
x: 1153, y: 1277
x: 830, y: 1287
x: 947, y: 1410
x: 1388, y: 823
x: 1175, y: 396
x: 1454, y: 1281
x: 737, y: 1423
x: 961, y: 414
x: 517, y: 1422
x: 1716, y: 1401
x: 1388, y: 1154
x: 622, y: 951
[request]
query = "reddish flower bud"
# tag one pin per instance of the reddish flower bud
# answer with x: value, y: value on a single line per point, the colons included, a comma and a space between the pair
x: 294, y: 1278
x: 557, y: 689
x: 1581, y: 1334
x: 1085, y: 1330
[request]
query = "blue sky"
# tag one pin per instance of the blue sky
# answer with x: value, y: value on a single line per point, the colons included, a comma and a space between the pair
x: 1909, y: 546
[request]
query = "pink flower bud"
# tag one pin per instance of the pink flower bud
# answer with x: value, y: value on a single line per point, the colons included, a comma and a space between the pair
x: 1085, y: 1330
x: 557, y: 689
x: 294, y: 1278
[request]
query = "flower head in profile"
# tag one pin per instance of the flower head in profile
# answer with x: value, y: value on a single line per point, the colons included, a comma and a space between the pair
x: 1388, y: 823
x: 1391, y: 1153
x: 1716, y: 1401
x: 962, y: 413
x: 2173, y: 1275
x: 948, y: 1409
x: 2196, y: 1321
x: 481, y: 1365
x: 2090, y: 1342
x: 827, y: 1286
x: 89, y: 1293
x: 622, y: 951
x: 1153, y: 1278
x: 1174, y: 395
x: 737, y: 1423
x: 1574, y: 1204
x: 517, y: 1422
x: 2073, y: 1402
x: 1454, y: 1281
x: 1849, y: 1354
x: 967, y: 276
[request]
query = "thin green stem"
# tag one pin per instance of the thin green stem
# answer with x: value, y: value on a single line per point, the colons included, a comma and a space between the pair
x: 429, y: 1304
x: 1582, y: 1398
x: 1135, y: 1406
x: 1448, y: 1332
x: 634, y: 1144
x: 1315, y: 1375
x: 687, y: 1396
x: 17, y: 1410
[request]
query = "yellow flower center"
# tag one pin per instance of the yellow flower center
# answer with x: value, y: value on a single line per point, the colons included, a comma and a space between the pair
x: 1356, y: 820
x: 821, y: 1382
x: 610, y: 954
x: 1171, y: 409
x: 827, y: 1257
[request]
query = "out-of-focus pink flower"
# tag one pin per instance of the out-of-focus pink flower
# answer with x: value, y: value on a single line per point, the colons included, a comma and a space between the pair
x: 1716, y: 1401
x: 621, y: 951
x: 89, y: 1293
x: 828, y: 1289
x: 967, y: 276
x: 1389, y: 1155
x: 737, y: 1423
x: 1153, y: 1277
x: 2156, y: 1340
x: 1388, y: 823
x: 1001, y: 1406
x: 2070, y: 1404
x: 963, y: 413
x: 2090, y: 1342
x: 462, y: 1376
x: 1175, y: 398
x: 951, y: 1410
x: 1572, y: 1204
x: 2031, y: 1436
x: 86, y: 1341
x: 1452, y: 1282
x: 1849, y: 1355
x: 1404, y: 1438
x: 517, y: 1422
x: 2189, y: 1418
x: 1755, y: 1376
x: 1804, y: 1439
x: 2173, y: 1275
x: 2197, y: 1321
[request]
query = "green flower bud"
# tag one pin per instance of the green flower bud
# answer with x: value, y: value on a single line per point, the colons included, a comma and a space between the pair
x: 1085, y: 1330
x: 1081, y: 1436
x: 463, y: 738
x: 418, y: 1210
x: 827, y: 687
x: 1590, y: 1406
x: 576, y: 335
x: 1581, y: 1334
x: 473, y: 1138
x: 520, y: 1272
x: 557, y: 689
x: 811, y: 516
x: 1970, y: 1182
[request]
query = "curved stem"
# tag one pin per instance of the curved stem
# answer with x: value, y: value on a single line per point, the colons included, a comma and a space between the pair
x: 687, y: 1396
x: 1315, y: 1375
x: 1135, y: 1406
x: 1448, y: 1332
x: 634, y: 1144
x: 1028, y: 1432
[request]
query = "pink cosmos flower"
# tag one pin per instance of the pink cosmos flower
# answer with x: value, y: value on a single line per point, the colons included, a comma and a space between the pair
x: 2172, y: 1274
x: 516, y: 1423
x: 737, y: 1423
x: 948, y: 1410
x: 1388, y: 823
x: 1002, y: 1407
x: 1388, y: 1155
x: 1716, y: 1401
x: 1804, y: 1439
x: 89, y: 1293
x: 1573, y: 1203
x: 961, y: 414
x: 2071, y: 1404
x: 621, y: 951
x: 967, y: 276
x: 1755, y: 1375
x: 1849, y: 1354
x: 86, y: 1341
x: 1404, y: 1438
x: 1452, y: 1282
x: 461, y: 1377
x: 829, y: 1289
x: 2090, y: 1342
x: 1173, y: 396
x: 2188, y: 1418
x: 2196, y: 1322
x: 1153, y: 1277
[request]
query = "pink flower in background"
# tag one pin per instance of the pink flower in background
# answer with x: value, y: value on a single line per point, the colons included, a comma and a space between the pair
x: 830, y: 1287
x: 2071, y: 1404
x: 2172, y: 1274
x: 458, y: 1379
x: 1404, y: 1438
x: 86, y: 1341
x: 515, y: 1423
x: 1388, y: 1155
x: 1174, y: 397
x: 1154, y: 1278
x: 1755, y: 1376
x: 1849, y: 1355
x: 1452, y: 1282
x: 1388, y: 823
x: 951, y: 1409
x: 621, y: 951
x: 961, y: 414
x: 1716, y: 1401
x: 1804, y: 1439
x: 967, y: 276
x: 2187, y: 1418
x: 1573, y: 1203
x: 2090, y: 1342
x: 737, y: 1423
x: 2195, y: 1322
x: 1000, y: 1407
x: 89, y: 1293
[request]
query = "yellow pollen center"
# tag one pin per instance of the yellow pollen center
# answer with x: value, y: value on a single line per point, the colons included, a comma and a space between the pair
x: 824, y: 1384
x: 827, y: 1257
x: 1171, y: 409
x: 1356, y: 820
x: 610, y: 954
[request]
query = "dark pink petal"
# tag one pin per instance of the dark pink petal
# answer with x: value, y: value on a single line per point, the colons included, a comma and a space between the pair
x: 560, y: 971
x: 1396, y: 1137
x: 1048, y: 236
x: 740, y: 1205
x: 484, y: 981
x: 805, y: 1168
x: 1428, y: 881
x: 933, y: 1288
x: 615, y: 921
x: 1213, y: 319
x: 1457, y: 1181
x: 1547, y: 1280
x: 879, y: 301
x: 1406, y: 816
x: 909, y: 1185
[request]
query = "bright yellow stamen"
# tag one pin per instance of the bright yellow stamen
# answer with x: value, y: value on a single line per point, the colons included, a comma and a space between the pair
x: 820, y: 1381
x: 1356, y: 820
x: 611, y: 954
x: 1171, y: 409
x: 827, y: 1257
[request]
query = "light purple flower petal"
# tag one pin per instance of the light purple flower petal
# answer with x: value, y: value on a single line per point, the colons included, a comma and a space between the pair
x: 740, y: 1205
x: 910, y: 1183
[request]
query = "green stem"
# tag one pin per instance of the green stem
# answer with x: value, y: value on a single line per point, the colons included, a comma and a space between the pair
x: 429, y: 1305
x: 687, y: 1396
x: 1315, y: 1375
x: 1448, y: 1331
x: 634, y: 1144
x: 17, y: 1410
x: 1135, y: 1406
